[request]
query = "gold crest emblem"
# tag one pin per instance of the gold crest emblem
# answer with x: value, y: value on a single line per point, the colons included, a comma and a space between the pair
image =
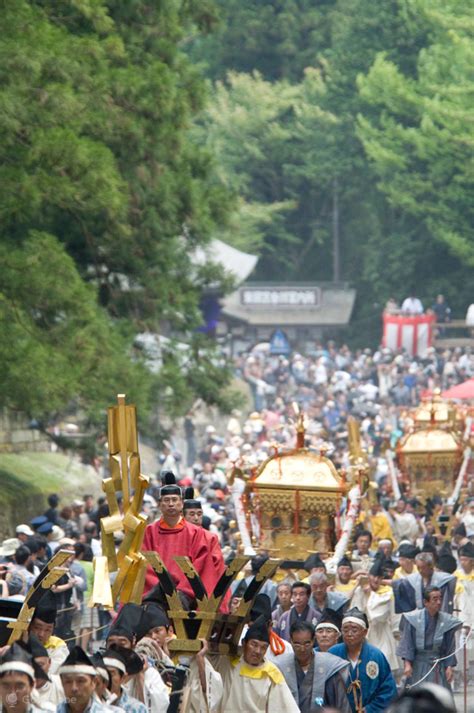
x: 372, y: 669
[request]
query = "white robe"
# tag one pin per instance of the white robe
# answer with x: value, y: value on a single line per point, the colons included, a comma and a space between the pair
x: 155, y: 691
x: 250, y: 693
x: 404, y: 526
x: 194, y: 700
x: 57, y: 652
x: 49, y: 695
x: 380, y: 609
x: 464, y: 604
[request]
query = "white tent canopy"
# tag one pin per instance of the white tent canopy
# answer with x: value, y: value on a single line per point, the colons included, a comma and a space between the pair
x: 238, y: 263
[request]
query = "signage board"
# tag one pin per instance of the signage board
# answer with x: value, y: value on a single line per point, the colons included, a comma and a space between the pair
x: 279, y: 343
x: 281, y: 297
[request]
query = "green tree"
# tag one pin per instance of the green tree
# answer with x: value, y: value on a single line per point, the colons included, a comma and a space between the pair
x: 96, y: 103
x: 420, y: 139
x: 57, y: 347
x: 270, y: 141
x: 277, y: 38
x: 294, y: 127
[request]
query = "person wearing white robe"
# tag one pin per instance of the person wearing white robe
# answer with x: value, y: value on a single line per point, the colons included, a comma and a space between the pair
x: 464, y: 597
x: 204, y: 689
x: 377, y: 601
x: 48, y: 695
x: 251, y: 683
x: 404, y: 524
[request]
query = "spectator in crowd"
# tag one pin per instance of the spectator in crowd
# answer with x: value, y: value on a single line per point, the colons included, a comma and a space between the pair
x: 412, y: 305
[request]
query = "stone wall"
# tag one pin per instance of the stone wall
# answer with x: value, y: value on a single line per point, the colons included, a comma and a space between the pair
x: 16, y: 434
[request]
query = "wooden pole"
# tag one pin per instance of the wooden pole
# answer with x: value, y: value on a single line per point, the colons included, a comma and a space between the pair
x: 464, y: 652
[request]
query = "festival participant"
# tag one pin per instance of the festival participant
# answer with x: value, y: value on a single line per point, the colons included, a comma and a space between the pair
x: 279, y: 648
x: 409, y: 591
x: 322, y: 598
x: 284, y: 602
x: 464, y: 597
x: 299, y: 611
x: 124, y: 633
x: 362, y: 555
x: 42, y: 626
x: 102, y: 693
x: 428, y: 635
x: 376, y: 600
x: 124, y: 628
x: 203, y: 689
x: 253, y: 684
x: 193, y: 513
x: 406, y: 560
x: 48, y: 691
x: 17, y: 680
x: 153, y: 634
x: 370, y: 683
x: 192, y: 509
x: 405, y: 526
x: 121, y: 663
x: 314, y: 564
x: 345, y: 581
x: 314, y: 679
x: 379, y: 524
x: 362, y: 544
x: 446, y: 562
x: 328, y: 630
x: 78, y: 677
x: 385, y: 548
x: 172, y: 535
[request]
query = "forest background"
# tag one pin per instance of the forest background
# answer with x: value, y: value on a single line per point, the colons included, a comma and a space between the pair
x: 133, y: 132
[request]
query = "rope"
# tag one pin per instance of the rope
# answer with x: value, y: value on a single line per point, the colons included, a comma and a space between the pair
x: 93, y: 631
x: 437, y: 661
x: 355, y: 687
x: 277, y: 645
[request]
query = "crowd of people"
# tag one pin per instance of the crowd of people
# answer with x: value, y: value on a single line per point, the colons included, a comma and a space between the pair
x: 388, y: 617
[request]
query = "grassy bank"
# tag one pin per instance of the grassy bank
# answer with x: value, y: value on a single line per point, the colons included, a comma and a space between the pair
x: 26, y: 479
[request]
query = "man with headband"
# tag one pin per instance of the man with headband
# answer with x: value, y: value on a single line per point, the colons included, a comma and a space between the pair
x: 17, y: 680
x: 328, y: 630
x: 370, y: 683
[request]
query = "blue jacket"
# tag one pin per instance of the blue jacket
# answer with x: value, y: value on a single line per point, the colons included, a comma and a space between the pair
x: 376, y: 685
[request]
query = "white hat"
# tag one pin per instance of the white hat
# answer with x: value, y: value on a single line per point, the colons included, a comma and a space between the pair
x: 57, y: 533
x: 9, y: 547
x: 67, y: 542
x: 24, y: 530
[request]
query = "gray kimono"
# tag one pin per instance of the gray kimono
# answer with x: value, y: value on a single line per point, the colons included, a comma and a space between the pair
x: 426, y: 638
x: 322, y: 685
x: 409, y: 591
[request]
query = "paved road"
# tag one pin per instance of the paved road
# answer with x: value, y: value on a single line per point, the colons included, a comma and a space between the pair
x: 459, y: 699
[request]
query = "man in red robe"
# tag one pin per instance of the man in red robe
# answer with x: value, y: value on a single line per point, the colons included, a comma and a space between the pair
x: 172, y: 535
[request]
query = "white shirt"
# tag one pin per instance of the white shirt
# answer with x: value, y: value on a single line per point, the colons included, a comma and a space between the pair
x: 412, y: 305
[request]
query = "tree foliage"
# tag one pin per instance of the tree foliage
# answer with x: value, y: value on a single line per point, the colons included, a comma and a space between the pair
x: 270, y: 141
x: 277, y: 38
x: 372, y: 118
x: 103, y: 194
x: 421, y: 138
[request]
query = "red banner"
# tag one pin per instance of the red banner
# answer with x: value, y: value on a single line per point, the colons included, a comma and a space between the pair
x: 414, y: 334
